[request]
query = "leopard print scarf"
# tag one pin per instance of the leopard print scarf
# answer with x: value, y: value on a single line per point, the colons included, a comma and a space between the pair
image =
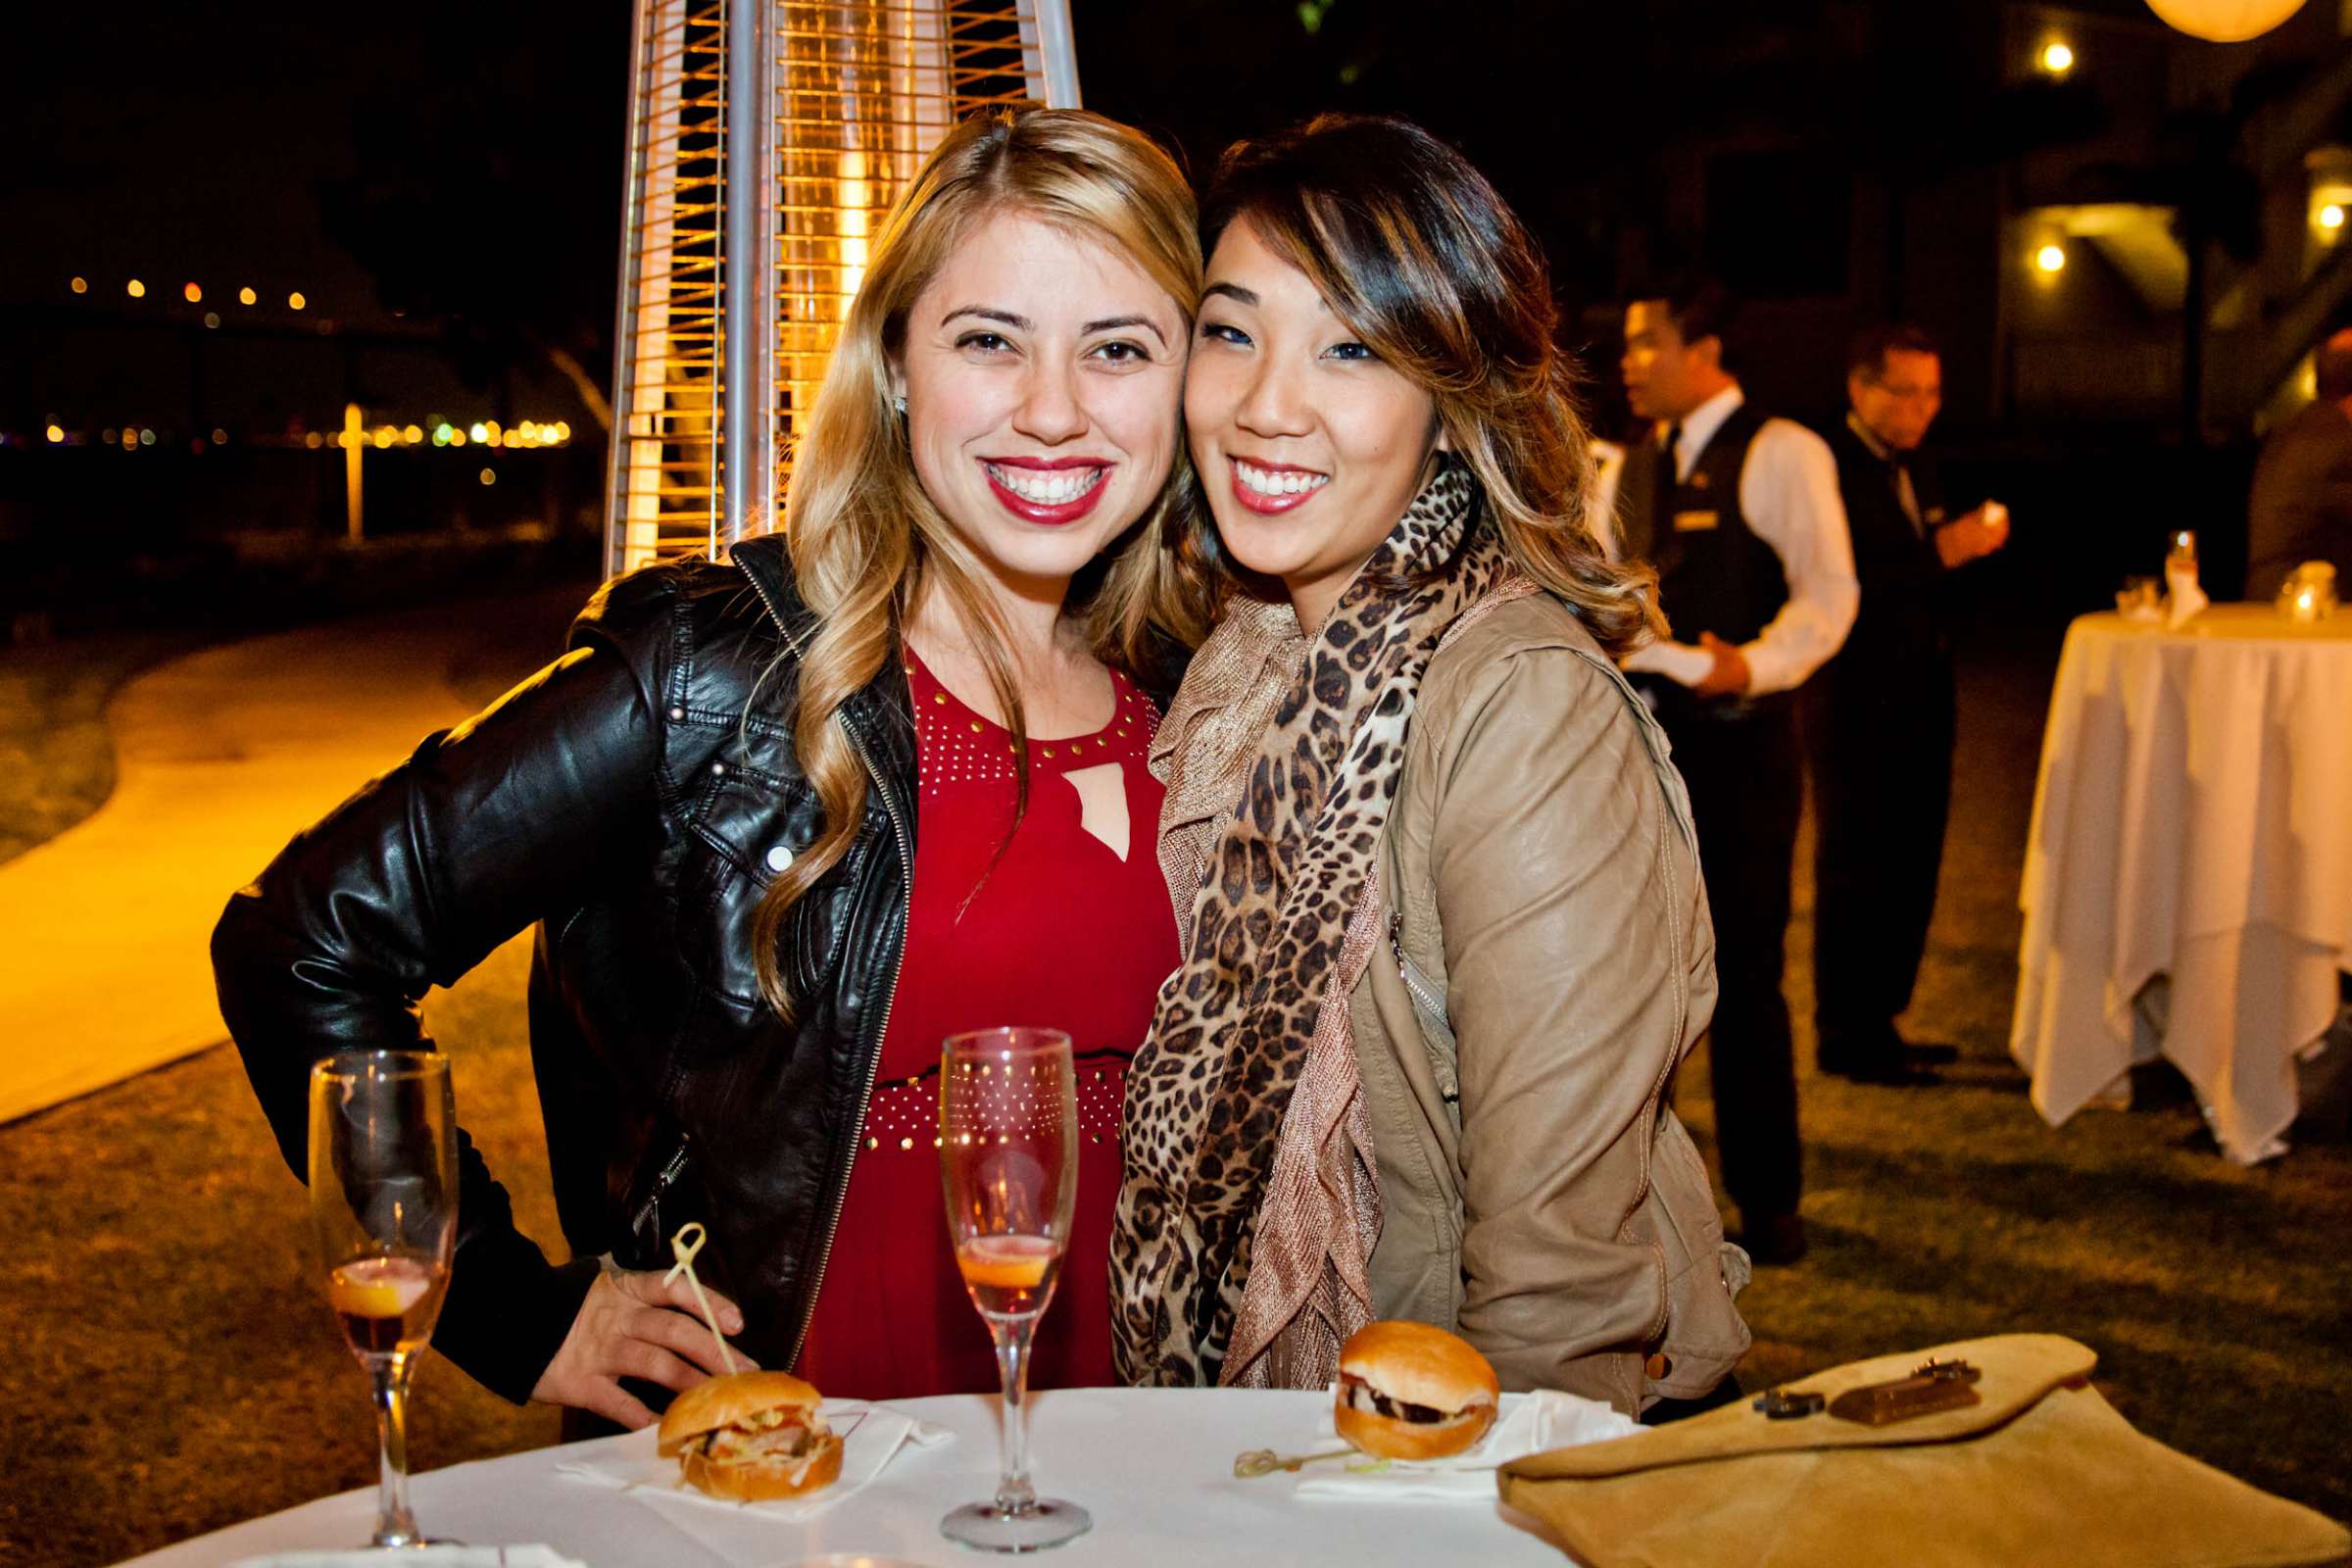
x: 1207, y: 1092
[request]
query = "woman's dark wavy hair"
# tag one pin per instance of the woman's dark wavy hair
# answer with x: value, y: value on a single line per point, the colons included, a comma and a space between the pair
x: 1410, y: 246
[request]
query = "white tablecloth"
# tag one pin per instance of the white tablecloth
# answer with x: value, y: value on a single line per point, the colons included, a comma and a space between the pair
x: 1153, y: 1466
x: 2192, y: 821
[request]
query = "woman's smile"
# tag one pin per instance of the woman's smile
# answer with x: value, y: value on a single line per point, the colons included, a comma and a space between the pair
x: 1046, y: 490
x: 1267, y: 488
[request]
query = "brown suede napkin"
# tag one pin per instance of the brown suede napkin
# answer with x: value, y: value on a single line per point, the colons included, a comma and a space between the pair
x: 2043, y: 1471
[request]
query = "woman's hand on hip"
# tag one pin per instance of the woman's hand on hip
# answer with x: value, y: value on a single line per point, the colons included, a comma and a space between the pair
x: 634, y: 1326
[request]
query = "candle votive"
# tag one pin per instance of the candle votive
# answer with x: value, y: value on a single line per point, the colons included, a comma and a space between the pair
x: 2308, y: 596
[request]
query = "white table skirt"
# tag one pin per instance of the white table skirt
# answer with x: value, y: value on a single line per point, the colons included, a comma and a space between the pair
x: 2193, y: 821
x: 1153, y: 1466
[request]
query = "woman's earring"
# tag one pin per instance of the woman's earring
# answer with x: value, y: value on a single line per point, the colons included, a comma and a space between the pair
x: 899, y: 402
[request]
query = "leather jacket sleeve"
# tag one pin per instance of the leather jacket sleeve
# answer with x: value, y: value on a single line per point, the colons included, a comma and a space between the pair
x: 485, y: 829
x: 1571, y: 910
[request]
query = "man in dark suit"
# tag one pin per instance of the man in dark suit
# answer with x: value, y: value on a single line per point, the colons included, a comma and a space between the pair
x: 1879, y: 719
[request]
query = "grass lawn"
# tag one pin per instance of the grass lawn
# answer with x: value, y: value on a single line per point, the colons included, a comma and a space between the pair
x: 56, y: 761
x: 173, y: 1369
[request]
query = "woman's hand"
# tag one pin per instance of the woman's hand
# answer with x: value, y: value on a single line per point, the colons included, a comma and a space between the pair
x: 634, y: 1326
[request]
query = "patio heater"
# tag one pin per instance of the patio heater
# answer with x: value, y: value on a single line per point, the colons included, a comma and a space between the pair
x: 767, y: 141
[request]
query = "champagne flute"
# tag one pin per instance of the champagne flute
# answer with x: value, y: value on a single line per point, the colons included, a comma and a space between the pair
x: 385, y: 1206
x: 1008, y: 1164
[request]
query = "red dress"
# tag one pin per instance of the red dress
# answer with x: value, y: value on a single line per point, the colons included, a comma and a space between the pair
x: 1065, y: 932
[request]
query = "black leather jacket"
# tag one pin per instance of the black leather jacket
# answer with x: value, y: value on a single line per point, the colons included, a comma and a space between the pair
x: 634, y: 802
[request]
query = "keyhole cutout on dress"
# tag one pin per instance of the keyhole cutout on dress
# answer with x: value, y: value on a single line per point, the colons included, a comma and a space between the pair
x: 1102, y: 802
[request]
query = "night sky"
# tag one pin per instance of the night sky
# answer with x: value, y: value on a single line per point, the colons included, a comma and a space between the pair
x: 455, y: 172
x: 241, y: 145
x: 467, y: 159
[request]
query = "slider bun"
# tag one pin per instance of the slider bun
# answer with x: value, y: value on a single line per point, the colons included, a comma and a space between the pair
x: 814, y: 1471
x: 1416, y: 1363
x: 1420, y: 1364
x: 731, y: 1400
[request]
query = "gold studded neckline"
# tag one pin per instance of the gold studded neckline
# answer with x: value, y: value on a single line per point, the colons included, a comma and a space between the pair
x: 1130, y: 710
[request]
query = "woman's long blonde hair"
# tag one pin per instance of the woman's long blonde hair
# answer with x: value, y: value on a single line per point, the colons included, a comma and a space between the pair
x: 1424, y: 261
x: 865, y: 539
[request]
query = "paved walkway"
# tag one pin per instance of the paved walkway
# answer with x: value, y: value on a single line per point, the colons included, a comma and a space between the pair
x: 222, y: 756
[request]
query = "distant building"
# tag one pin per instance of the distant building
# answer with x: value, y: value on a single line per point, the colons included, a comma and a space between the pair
x: 2061, y: 190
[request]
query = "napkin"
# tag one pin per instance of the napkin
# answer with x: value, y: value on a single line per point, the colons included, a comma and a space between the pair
x: 416, y: 1557
x: 2184, y: 600
x: 870, y: 1434
x: 1526, y: 1423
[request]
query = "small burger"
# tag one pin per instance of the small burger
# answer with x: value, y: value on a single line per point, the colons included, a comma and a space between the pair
x: 1408, y: 1391
x: 753, y: 1436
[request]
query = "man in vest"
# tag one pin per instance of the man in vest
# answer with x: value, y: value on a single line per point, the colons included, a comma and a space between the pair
x: 1739, y: 515
x: 1879, y: 717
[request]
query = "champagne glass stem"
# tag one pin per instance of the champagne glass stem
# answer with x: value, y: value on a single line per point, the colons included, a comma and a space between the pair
x: 1014, y: 1495
x: 395, y: 1526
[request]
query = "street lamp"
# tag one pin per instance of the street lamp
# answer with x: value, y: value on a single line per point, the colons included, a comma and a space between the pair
x: 2057, y: 57
x: 743, y: 238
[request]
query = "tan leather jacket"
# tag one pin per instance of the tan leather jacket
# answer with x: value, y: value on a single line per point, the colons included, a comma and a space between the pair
x: 1553, y: 963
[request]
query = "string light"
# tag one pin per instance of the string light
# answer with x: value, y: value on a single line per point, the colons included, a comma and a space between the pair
x: 2057, y: 57
x: 246, y: 296
x: 136, y: 289
x: 56, y: 435
x: 81, y: 285
x: 295, y: 302
x: 192, y: 294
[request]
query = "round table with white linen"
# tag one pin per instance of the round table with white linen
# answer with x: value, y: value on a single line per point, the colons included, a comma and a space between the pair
x: 2192, y: 823
x: 1155, y: 1467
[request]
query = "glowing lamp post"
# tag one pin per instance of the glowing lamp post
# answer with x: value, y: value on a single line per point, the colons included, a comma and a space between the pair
x: 2225, y: 21
x: 744, y: 236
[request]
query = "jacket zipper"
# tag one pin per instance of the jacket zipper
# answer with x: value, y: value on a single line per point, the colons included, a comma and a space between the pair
x: 873, y: 1055
x: 652, y: 1206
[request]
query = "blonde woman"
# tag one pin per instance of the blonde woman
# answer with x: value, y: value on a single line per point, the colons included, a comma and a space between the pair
x: 1446, y: 940
x: 786, y: 821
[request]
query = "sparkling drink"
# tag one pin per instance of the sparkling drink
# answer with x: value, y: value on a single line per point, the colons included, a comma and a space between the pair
x: 1008, y: 1168
x: 1009, y: 1276
x: 387, y: 1305
x: 383, y: 1174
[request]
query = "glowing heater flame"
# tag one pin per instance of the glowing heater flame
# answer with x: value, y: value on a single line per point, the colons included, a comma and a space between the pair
x: 746, y: 236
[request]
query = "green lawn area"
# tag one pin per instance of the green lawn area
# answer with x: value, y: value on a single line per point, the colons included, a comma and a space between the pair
x: 56, y: 761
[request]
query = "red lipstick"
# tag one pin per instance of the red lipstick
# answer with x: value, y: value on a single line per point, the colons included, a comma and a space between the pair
x: 1050, y: 512
x: 1270, y: 504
